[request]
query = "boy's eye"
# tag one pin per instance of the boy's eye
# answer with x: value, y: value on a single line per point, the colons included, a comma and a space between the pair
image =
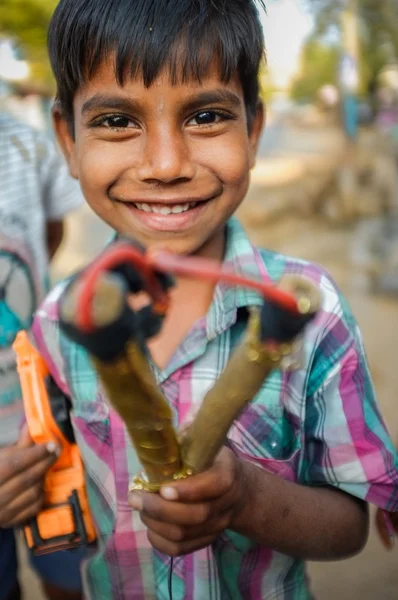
x: 208, y: 117
x: 116, y: 122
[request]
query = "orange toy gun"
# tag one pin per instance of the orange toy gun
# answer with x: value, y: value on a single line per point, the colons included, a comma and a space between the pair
x: 65, y: 520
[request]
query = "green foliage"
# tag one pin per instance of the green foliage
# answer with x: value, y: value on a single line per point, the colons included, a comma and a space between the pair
x: 27, y: 22
x: 319, y: 65
x: 378, y: 23
x: 267, y: 87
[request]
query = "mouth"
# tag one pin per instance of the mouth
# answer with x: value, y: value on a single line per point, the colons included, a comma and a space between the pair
x: 171, y: 215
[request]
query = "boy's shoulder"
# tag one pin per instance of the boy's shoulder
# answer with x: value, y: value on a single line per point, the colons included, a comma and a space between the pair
x: 271, y: 266
x: 335, y: 317
x: 275, y: 265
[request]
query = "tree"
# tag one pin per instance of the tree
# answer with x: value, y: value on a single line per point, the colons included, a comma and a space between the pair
x: 27, y: 21
x: 319, y: 64
x: 378, y: 22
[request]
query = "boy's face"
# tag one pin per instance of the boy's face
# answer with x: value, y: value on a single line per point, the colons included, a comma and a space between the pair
x: 167, y: 164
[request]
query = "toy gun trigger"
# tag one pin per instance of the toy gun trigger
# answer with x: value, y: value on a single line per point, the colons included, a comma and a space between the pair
x: 65, y: 521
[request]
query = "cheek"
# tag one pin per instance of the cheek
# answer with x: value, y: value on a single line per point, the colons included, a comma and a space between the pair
x: 229, y: 159
x: 99, y: 167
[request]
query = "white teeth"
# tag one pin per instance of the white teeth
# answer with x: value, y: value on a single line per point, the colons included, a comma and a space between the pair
x: 179, y: 208
x: 166, y: 210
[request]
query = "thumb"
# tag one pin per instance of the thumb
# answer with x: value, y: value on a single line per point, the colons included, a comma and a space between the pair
x: 25, y: 441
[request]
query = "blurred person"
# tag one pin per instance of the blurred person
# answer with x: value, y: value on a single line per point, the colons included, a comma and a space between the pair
x: 36, y: 192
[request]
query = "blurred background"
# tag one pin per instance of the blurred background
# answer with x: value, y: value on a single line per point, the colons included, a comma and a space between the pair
x: 325, y: 187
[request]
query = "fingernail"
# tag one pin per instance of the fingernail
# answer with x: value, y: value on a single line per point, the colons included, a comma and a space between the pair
x: 169, y: 493
x: 53, y: 448
x: 136, y: 502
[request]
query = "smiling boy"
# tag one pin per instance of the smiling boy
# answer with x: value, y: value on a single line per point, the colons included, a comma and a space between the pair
x: 159, y: 118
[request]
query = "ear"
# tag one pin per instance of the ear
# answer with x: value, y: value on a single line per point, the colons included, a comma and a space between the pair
x: 64, y: 132
x: 255, y: 132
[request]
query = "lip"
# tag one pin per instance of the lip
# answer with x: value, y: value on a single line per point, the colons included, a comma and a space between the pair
x: 168, y: 223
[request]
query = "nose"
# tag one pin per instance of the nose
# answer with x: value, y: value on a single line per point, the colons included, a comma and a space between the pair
x: 166, y: 158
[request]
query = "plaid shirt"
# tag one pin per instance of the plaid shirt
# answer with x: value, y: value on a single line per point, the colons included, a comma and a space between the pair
x: 319, y: 425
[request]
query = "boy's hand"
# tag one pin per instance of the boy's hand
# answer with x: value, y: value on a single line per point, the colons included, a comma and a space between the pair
x: 22, y: 469
x: 189, y: 514
x: 387, y: 527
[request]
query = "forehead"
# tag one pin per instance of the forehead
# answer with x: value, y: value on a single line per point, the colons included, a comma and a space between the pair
x: 163, y: 89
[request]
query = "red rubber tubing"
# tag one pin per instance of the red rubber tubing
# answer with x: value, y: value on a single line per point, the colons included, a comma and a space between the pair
x: 147, y: 264
x: 209, y: 270
x: 110, y: 259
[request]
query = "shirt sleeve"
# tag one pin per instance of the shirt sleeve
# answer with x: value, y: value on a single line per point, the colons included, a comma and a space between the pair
x: 45, y: 333
x: 347, y: 444
x: 61, y: 194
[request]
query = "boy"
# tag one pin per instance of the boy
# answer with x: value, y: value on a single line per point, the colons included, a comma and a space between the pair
x: 36, y: 194
x: 159, y: 119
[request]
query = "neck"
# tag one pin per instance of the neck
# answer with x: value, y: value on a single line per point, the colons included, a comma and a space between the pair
x: 191, y: 291
x: 214, y: 248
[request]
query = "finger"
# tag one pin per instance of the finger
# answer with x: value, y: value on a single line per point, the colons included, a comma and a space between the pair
x: 23, y: 517
x: 178, y: 533
x: 25, y: 441
x: 25, y: 506
x: 14, y: 461
x: 178, y: 549
x: 386, y: 536
x: 394, y: 521
x: 178, y: 513
x: 23, y: 481
x: 214, y: 482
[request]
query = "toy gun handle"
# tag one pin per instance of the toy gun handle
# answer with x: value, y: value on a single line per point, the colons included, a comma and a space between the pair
x: 64, y: 521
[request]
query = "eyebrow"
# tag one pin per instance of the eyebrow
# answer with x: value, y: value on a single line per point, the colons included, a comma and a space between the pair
x: 219, y: 96
x: 105, y: 102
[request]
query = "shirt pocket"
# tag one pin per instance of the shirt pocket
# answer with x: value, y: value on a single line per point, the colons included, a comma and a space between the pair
x: 92, y: 427
x: 267, y: 433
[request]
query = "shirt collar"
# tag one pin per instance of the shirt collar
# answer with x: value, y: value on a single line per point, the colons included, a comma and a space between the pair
x: 242, y: 258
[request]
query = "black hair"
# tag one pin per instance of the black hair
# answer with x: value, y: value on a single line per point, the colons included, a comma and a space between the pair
x: 148, y: 35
